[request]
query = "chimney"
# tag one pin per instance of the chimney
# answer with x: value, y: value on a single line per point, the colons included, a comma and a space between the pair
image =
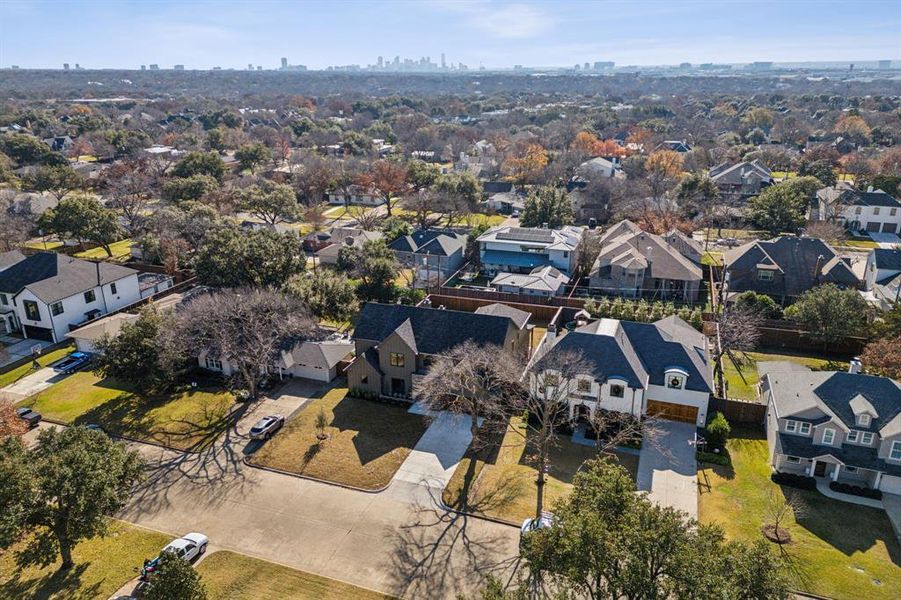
x: 544, y: 225
x: 854, y: 366
x: 551, y: 332
x: 869, y: 188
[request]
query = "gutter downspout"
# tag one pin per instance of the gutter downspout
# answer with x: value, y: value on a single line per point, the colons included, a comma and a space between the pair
x: 100, y: 285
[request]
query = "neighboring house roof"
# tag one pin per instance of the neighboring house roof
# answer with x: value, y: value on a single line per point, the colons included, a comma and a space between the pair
x: 565, y: 238
x: 738, y: 173
x: 345, y: 235
x: 803, y: 262
x: 325, y: 354
x: 873, y: 198
x: 8, y: 259
x: 628, y: 246
x: 51, y: 276
x: 545, y: 278
x: 519, y: 317
x: 107, y: 326
x: 596, y: 166
x: 888, y: 259
x: 430, y: 241
x: 640, y: 353
x: 430, y: 330
x: 676, y: 145
x: 497, y: 187
x: 514, y: 259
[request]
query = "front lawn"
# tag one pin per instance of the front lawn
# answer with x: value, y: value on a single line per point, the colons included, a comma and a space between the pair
x: 742, y: 380
x: 367, y: 441
x: 13, y: 375
x: 231, y: 576
x: 499, y: 481
x: 102, y: 566
x: 839, y: 550
x: 185, y: 418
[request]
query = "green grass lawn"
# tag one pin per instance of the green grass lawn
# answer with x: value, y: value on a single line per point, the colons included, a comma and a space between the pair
x: 14, y: 375
x: 838, y: 550
x: 859, y: 243
x: 712, y: 259
x: 39, y: 244
x: 367, y: 441
x: 499, y: 481
x: 121, y: 252
x: 184, y: 418
x: 231, y: 576
x: 102, y: 566
x: 742, y: 380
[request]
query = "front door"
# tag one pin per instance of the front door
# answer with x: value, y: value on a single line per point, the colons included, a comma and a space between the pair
x: 819, y: 470
x: 398, y: 386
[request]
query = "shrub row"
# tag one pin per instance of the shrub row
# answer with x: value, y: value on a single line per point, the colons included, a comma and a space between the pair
x: 717, y: 459
x: 802, y: 482
x: 855, y: 490
x: 641, y: 311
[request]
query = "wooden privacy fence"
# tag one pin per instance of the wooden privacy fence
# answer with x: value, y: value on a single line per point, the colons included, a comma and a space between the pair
x: 736, y: 411
x: 540, y: 313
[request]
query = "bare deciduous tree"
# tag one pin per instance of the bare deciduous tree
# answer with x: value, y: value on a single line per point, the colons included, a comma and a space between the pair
x: 366, y: 218
x: 779, y: 509
x: 738, y: 330
x: 247, y: 327
x: 473, y: 380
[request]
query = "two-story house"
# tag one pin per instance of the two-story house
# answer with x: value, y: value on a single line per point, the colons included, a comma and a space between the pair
x: 633, y: 262
x: 882, y: 277
x: 785, y: 267
x: 43, y: 294
x: 327, y: 244
x: 522, y: 249
x: 872, y: 210
x: 839, y: 426
x: 394, y: 342
x: 740, y: 180
x: 658, y: 369
x: 433, y: 254
x: 355, y: 195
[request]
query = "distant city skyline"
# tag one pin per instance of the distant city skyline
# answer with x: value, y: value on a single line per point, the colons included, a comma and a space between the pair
x: 475, y: 33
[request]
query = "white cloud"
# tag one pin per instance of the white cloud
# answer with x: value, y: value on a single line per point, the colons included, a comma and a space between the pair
x: 505, y: 21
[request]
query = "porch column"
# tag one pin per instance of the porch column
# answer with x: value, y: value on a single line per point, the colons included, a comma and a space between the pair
x: 813, y: 467
x: 572, y: 410
x: 835, y: 472
x: 878, y: 480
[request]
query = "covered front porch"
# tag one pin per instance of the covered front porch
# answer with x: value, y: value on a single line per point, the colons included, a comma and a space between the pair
x: 828, y: 468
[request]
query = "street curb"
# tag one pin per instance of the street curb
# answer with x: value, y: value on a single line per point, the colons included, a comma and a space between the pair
x: 475, y: 516
x: 247, y: 462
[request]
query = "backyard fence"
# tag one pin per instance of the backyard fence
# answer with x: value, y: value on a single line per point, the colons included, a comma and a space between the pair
x: 736, y: 411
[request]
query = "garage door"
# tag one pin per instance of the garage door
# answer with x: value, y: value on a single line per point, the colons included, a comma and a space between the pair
x: 890, y: 484
x: 673, y: 412
x: 39, y: 333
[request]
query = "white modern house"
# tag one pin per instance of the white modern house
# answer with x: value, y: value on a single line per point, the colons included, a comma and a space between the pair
x: 522, y: 249
x: 356, y: 196
x: 656, y: 369
x: 882, y: 277
x: 43, y: 294
x: 833, y: 426
x: 872, y: 211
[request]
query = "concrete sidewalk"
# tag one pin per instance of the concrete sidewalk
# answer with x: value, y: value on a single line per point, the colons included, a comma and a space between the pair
x: 667, y: 468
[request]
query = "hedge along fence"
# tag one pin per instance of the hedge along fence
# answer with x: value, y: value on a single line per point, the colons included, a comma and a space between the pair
x: 642, y: 311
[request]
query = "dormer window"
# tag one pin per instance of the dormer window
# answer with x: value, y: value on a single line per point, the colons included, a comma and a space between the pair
x: 675, y: 378
x: 764, y: 275
x: 863, y: 419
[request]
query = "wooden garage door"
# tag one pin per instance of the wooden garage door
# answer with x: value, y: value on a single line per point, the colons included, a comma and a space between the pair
x: 673, y: 412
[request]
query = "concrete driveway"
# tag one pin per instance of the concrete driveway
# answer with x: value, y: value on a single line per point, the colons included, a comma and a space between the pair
x: 399, y: 543
x: 424, y: 474
x: 667, y: 468
x: 31, y: 384
x: 885, y: 240
x: 286, y: 400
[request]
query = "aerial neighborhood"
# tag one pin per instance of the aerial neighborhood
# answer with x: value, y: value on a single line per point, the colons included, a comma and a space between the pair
x: 422, y: 330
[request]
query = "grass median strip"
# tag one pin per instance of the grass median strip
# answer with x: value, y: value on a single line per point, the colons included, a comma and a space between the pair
x: 839, y: 550
x: 499, y: 480
x: 366, y: 444
x: 184, y: 418
x: 231, y: 576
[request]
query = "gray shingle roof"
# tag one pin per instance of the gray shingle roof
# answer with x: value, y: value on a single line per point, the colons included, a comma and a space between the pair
x: 434, y: 330
x: 856, y: 456
x: 886, y: 258
x: 51, y: 276
x: 519, y: 317
x: 429, y: 241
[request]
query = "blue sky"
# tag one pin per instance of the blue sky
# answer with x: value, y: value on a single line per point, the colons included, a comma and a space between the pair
x: 203, y: 34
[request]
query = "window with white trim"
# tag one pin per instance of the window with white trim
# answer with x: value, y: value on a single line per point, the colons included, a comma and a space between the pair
x: 852, y: 436
x: 863, y: 419
x: 617, y: 390
x: 764, y: 275
x: 866, y: 438
x: 895, y: 452
x: 828, y: 436
x: 584, y: 385
x: 791, y: 426
x: 875, y: 210
x: 792, y: 459
x: 213, y: 363
x: 56, y: 308
x: 804, y: 429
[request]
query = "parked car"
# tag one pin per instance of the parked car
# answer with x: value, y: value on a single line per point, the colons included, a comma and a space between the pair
x: 74, y: 362
x: 29, y: 415
x: 533, y: 524
x: 266, y: 427
x: 95, y: 427
x: 188, y: 547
